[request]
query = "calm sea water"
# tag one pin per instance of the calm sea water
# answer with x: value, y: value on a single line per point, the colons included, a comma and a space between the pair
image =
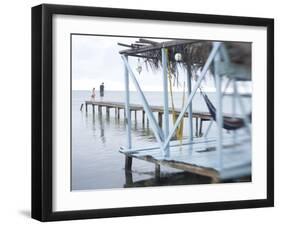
x: 96, y: 139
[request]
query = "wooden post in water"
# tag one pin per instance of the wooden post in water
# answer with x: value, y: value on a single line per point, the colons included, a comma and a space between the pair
x: 160, y: 117
x: 196, y: 127
x: 128, y: 162
x: 200, y: 127
x: 128, y: 177
x: 100, y: 109
x: 136, y: 115
x: 143, y: 117
x: 93, y: 108
x: 157, y: 171
x: 86, y: 107
x: 118, y: 113
x: 81, y: 107
x: 107, y: 111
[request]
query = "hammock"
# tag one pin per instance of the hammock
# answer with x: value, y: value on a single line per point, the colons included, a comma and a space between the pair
x: 229, y: 123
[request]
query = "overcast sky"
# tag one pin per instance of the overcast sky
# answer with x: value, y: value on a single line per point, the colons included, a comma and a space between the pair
x: 96, y: 59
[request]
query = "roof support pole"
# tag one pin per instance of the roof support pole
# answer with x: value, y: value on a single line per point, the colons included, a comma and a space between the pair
x: 165, y: 97
x: 219, y: 119
x: 243, y: 111
x: 127, y: 107
x: 190, y: 117
x: 234, y: 99
x: 215, y: 48
x: 155, y: 128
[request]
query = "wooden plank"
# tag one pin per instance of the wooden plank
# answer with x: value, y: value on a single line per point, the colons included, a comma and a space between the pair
x: 237, y: 161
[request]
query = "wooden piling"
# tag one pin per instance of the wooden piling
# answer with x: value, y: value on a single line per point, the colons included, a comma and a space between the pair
x: 128, y: 177
x: 157, y: 170
x: 81, y: 107
x: 160, y: 119
x: 118, y: 113
x: 107, y: 111
x: 128, y: 162
x: 196, y: 127
x: 143, y: 116
x: 200, y: 128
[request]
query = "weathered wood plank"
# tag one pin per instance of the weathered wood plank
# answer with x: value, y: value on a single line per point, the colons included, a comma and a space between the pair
x: 203, y: 161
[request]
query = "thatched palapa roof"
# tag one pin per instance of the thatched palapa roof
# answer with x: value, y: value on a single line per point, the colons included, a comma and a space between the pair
x: 194, y: 53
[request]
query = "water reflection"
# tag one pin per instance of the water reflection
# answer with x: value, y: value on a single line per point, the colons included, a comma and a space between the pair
x: 181, y: 178
x: 101, y: 126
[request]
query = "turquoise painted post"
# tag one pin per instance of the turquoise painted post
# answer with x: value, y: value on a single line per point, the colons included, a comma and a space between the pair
x: 219, y: 119
x: 127, y: 107
x: 190, y: 118
x: 165, y: 98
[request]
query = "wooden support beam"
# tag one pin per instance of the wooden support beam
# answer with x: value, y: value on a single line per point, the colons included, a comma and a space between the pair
x: 118, y: 113
x: 93, y: 108
x: 86, y: 107
x: 81, y: 107
x: 136, y: 115
x: 147, y: 41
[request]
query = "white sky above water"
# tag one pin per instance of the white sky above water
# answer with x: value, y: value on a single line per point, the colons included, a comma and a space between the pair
x: 96, y: 59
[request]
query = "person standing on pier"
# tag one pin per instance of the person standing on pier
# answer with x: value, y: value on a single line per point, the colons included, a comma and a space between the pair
x: 102, y: 90
x: 93, y: 93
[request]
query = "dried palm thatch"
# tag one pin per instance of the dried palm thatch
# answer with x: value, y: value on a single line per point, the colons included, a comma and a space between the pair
x: 194, y: 53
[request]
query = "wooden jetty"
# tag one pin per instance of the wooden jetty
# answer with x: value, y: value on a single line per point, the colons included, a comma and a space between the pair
x: 200, y: 158
x: 200, y: 117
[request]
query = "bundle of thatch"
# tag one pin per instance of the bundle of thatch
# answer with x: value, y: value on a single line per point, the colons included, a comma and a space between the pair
x: 193, y: 53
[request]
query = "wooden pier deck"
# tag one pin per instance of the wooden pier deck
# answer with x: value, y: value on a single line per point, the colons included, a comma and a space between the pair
x: 201, y: 158
x: 137, y: 107
x: 199, y: 117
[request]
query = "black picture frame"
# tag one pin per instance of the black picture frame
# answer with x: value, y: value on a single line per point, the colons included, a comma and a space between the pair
x: 42, y: 111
